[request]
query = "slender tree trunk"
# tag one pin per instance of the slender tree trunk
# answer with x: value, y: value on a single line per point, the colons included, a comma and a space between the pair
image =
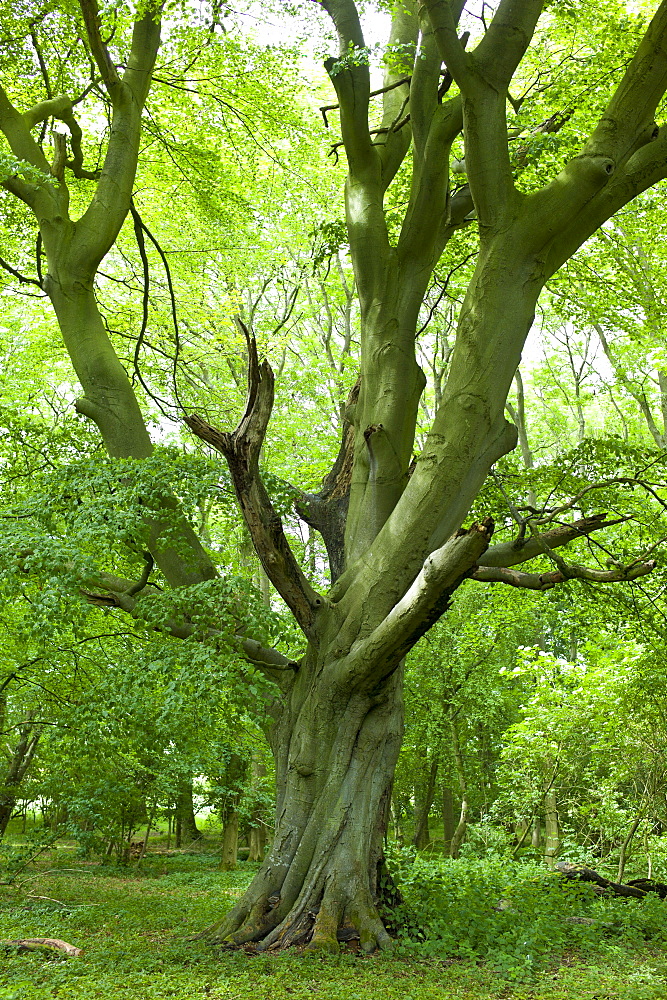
x: 423, y: 803
x: 623, y: 853
x: 447, y: 819
x: 551, y: 828
x: 460, y: 831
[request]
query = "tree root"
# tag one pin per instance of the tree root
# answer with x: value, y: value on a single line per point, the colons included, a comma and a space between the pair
x: 323, y: 924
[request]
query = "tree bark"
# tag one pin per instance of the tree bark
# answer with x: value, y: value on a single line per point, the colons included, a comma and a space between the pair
x: 394, y: 529
x: 19, y: 760
x: 258, y: 824
x: 551, y: 828
x: 230, y: 842
x: 460, y: 831
x: 424, y: 796
x: 185, y: 816
x: 447, y: 819
x: 335, y: 758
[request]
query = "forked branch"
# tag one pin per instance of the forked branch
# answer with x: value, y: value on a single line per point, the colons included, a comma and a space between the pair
x: 241, y: 448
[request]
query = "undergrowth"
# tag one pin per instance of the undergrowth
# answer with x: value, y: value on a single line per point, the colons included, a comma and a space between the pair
x: 494, y: 931
x: 519, y: 918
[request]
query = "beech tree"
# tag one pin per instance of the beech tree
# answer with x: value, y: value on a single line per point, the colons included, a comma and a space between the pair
x: 393, y: 525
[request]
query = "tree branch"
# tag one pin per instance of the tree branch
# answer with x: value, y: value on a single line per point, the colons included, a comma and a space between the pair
x: 241, y: 448
x: 17, y: 133
x: 100, y: 224
x: 425, y: 601
x: 520, y: 550
x: 404, y: 32
x: 91, y: 20
x: 570, y: 571
x: 118, y: 593
x: 483, y: 77
x: 350, y: 77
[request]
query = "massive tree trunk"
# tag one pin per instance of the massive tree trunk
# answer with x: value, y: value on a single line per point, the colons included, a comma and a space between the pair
x: 335, y: 756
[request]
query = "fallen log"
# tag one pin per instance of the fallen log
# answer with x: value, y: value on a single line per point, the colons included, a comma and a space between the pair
x: 637, y: 889
x: 34, y: 944
x: 650, y: 885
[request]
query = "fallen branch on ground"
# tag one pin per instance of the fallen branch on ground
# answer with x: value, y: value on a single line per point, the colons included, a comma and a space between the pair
x: 636, y: 889
x: 34, y: 944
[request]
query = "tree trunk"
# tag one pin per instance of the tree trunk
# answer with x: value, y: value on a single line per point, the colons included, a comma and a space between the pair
x: 551, y: 831
x: 230, y: 842
x: 186, y: 820
x: 335, y: 758
x: 535, y: 836
x: 623, y: 853
x: 257, y: 843
x: 424, y: 795
x: 19, y: 761
x: 6, y: 810
x: 447, y: 819
x: 460, y: 831
x: 258, y: 827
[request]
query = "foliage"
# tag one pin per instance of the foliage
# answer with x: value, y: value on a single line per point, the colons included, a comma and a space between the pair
x: 516, y: 916
x: 125, y: 920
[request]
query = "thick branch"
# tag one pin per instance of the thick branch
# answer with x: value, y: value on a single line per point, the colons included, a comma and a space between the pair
x: 91, y: 19
x: 35, y: 944
x: 326, y: 511
x: 426, y: 599
x: 483, y: 77
x: 632, y: 107
x: 24, y: 147
x: 571, y: 571
x: 403, y: 37
x: 521, y: 550
x: 241, y: 448
x: 100, y: 224
x: 117, y: 593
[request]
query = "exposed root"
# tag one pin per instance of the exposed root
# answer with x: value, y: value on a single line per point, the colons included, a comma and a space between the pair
x: 320, y: 919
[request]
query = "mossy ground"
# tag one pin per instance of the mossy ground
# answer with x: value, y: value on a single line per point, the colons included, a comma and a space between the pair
x: 133, y: 925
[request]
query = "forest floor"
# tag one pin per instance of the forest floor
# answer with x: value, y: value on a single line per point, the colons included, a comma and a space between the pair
x: 133, y: 925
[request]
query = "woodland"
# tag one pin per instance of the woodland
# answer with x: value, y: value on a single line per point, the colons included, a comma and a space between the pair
x: 333, y: 448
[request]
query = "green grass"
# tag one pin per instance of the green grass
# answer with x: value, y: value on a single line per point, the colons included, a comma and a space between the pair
x: 134, y: 927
